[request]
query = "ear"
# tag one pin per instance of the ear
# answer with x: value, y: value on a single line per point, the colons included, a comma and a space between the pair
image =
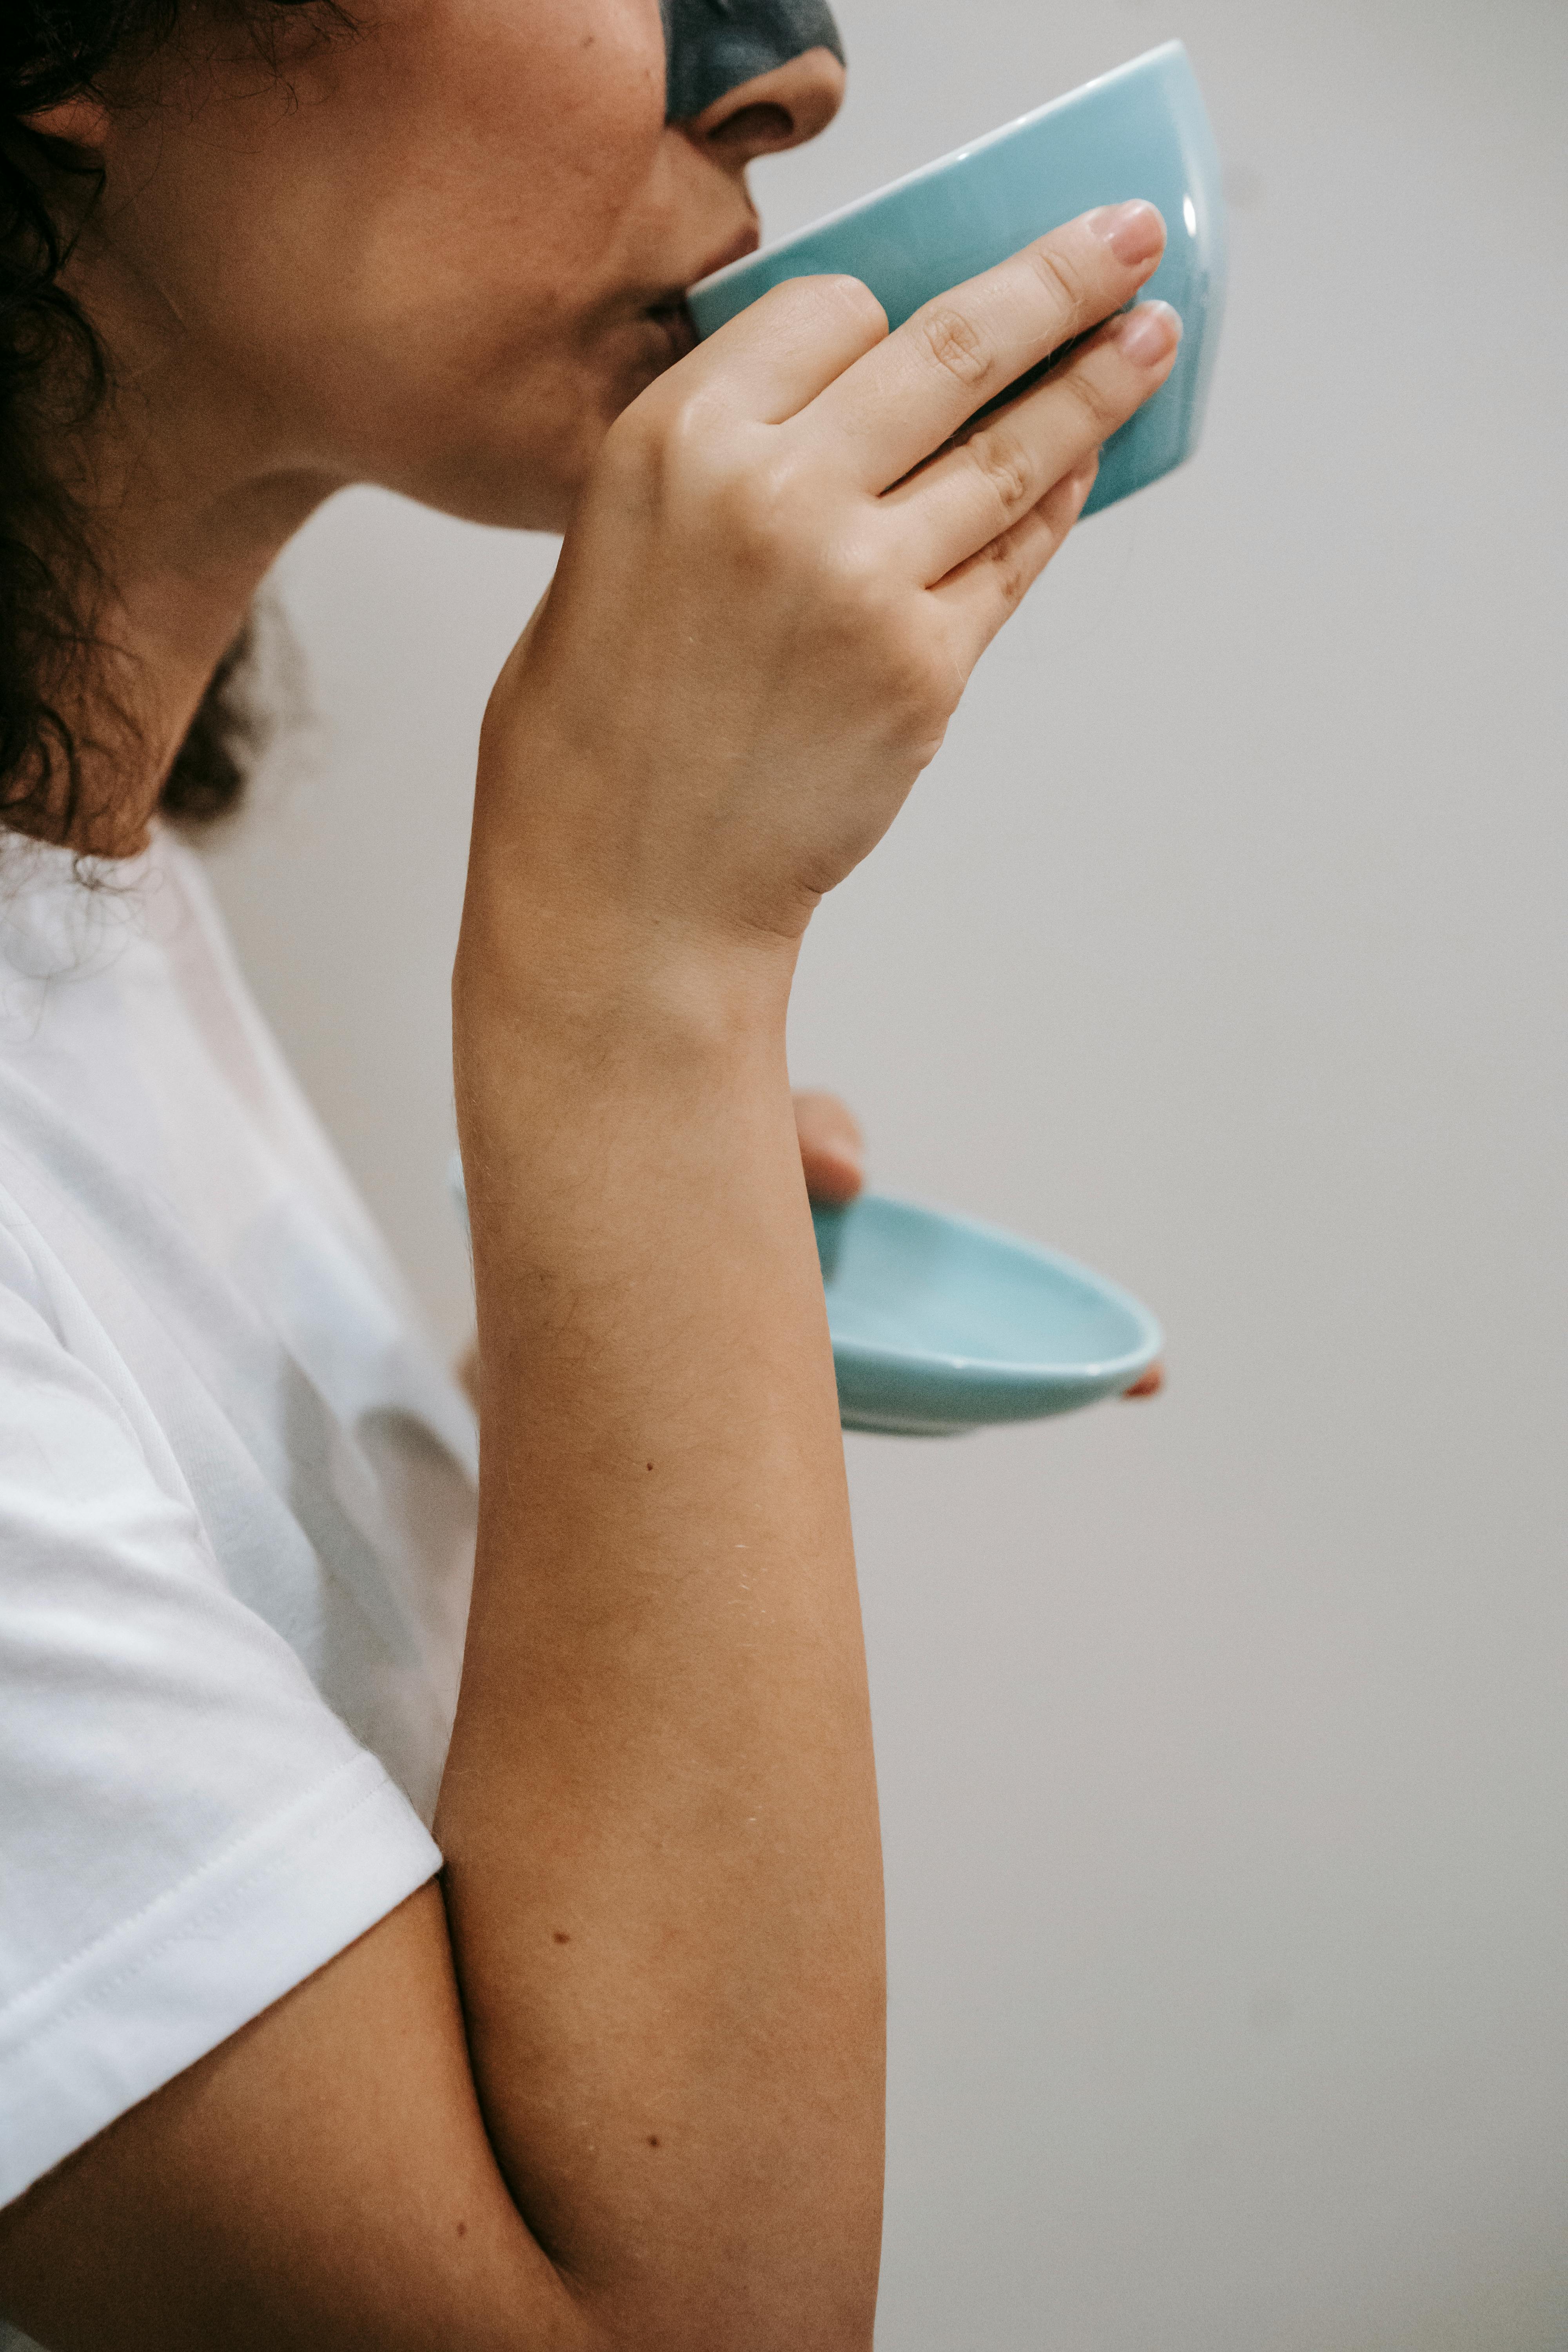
x: 81, y: 121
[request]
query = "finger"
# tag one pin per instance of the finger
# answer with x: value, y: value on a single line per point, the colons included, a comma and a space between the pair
x: 1152, y: 1381
x: 979, y: 595
x: 903, y: 399
x: 1000, y: 469
x: 832, y: 1149
x: 772, y: 359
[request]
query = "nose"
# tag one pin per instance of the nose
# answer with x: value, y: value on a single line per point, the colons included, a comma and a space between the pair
x: 782, y: 108
x: 774, y: 55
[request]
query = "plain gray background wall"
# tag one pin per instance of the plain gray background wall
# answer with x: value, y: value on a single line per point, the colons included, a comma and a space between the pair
x: 1222, y: 1742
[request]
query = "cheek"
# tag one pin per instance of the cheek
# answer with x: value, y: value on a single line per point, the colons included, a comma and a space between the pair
x: 534, y: 121
x: 421, y: 261
x: 448, y: 162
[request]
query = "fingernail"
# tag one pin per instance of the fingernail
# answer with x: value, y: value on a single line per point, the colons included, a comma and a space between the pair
x: 1134, y: 232
x: 1148, y: 333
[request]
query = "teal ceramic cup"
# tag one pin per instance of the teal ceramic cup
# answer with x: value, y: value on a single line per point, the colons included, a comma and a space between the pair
x: 1140, y: 131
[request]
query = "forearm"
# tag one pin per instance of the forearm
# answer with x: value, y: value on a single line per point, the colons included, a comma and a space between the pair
x: 659, y: 1814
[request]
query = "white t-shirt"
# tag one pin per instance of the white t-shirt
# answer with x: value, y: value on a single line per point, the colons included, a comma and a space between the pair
x: 237, y: 1513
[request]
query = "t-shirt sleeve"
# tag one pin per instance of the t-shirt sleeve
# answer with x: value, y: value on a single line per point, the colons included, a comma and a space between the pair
x: 186, y: 1829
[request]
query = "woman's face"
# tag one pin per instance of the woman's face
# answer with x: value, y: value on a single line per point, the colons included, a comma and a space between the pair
x: 441, y: 252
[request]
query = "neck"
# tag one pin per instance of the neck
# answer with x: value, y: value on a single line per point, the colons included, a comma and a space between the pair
x: 183, y: 562
x: 188, y: 498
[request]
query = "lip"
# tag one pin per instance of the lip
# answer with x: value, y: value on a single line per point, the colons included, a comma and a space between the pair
x: 734, y: 248
x: 673, y: 319
x: 668, y: 308
x: 746, y: 240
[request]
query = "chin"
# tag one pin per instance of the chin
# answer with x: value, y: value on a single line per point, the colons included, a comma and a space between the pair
x: 530, y: 476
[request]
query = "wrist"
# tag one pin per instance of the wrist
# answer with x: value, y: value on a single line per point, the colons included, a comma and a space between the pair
x: 596, y: 996
x: 623, y: 1106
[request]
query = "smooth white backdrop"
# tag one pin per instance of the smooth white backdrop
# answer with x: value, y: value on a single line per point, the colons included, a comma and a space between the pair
x: 1222, y: 1742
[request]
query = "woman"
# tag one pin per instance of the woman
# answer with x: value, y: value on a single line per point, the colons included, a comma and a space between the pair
x: 616, y: 2079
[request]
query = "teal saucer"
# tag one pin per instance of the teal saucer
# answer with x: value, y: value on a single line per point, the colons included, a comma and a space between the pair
x: 940, y: 1324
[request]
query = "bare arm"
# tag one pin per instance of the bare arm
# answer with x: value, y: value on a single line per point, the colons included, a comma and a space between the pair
x: 673, y: 1726
x: 832, y: 1159
x: 623, y: 2086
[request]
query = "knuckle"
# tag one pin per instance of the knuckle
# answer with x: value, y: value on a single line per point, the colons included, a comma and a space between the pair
x: 853, y: 583
x: 681, y: 431
x: 1010, y: 575
x: 999, y: 460
x: 917, y: 708
x: 1094, y: 398
x: 955, y: 343
x: 634, y: 434
x: 1015, y: 561
x: 675, y: 469
x: 879, y: 636
x: 757, y: 502
x: 833, y: 296
x: 695, y: 438
x: 1061, y: 277
x: 855, y: 298
x: 658, y: 428
x: 918, y: 685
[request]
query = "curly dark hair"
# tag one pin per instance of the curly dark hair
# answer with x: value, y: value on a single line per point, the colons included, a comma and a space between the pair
x: 54, y: 373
